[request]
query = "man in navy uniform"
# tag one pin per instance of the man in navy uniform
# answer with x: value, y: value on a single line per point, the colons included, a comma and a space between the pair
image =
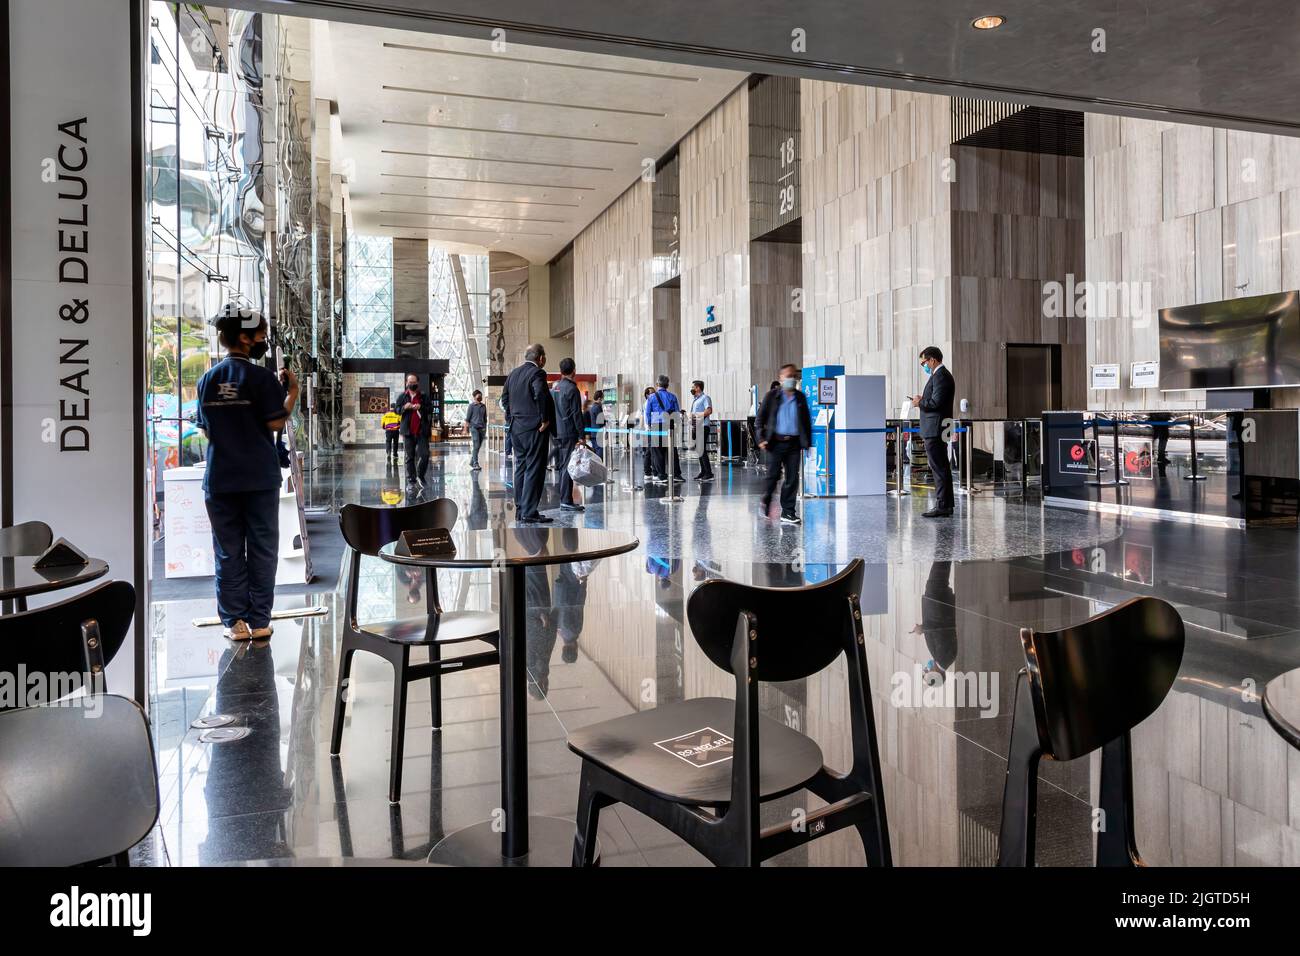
x: 570, y: 430
x: 241, y: 406
x: 935, y: 403
x: 530, y: 413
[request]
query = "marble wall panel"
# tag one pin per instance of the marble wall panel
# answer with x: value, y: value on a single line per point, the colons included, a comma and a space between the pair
x: 1224, y: 210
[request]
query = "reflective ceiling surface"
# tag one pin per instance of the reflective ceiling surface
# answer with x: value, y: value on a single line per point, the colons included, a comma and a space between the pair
x: 1214, y: 62
x: 515, y: 148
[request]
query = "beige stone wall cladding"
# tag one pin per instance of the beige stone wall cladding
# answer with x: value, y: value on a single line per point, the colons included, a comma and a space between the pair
x: 612, y: 290
x: 877, y: 262
x: 1190, y: 214
x: 714, y: 160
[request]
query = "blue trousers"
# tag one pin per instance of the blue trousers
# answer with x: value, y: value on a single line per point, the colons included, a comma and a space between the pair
x: 246, y: 543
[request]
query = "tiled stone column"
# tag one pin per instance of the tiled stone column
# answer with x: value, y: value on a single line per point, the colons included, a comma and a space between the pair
x: 410, y: 298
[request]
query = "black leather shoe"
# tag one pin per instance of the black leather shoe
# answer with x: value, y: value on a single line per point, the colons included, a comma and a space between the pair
x: 573, y: 507
x: 936, y: 513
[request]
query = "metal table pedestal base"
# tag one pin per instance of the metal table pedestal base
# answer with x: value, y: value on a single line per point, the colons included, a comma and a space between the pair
x: 550, y: 843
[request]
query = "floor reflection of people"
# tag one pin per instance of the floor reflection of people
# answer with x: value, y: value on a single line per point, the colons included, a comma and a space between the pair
x: 477, y: 518
x: 939, y: 622
x: 541, y: 622
x: 245, y: 788
x: 570, y: 604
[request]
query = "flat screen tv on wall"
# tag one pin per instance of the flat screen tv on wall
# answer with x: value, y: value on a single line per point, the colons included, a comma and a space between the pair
x: 1252, y: 342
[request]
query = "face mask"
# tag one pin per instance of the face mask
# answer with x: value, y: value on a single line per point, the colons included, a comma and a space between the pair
x: 788, y: 384
x: 412, y: 387
x: 926, y: 369
x: 258, y: 349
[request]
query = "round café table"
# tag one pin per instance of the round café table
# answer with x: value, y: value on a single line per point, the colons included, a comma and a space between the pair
x: 18, y: 579
x: 1282, y: 705
x: 518, y: 840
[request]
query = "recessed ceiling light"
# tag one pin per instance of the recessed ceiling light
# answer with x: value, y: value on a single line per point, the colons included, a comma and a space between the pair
x: 988, y: 23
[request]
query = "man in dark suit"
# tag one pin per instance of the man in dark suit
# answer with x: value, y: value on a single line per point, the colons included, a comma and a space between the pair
x: 416, y: 428
x: 570, y: 430
x: 935, y: 404
x: 531, y: 416
x: 783, y: 427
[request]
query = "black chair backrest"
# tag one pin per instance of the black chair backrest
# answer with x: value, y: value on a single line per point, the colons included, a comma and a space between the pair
x: 48, y: 640
x: 1095, y: 681
x: 30, y: 537
x: 801, y: 630
x: 75, y: 790
x: 366, y: 530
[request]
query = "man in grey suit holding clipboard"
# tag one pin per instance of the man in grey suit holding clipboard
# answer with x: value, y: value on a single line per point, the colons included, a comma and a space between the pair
x: 935, y: 404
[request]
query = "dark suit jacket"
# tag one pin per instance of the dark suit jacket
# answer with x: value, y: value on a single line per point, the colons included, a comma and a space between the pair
x: 404, y: 409
x: 936, y: 402
x: 765, y: 420
x: 570, y: 423
x: 527, y: 398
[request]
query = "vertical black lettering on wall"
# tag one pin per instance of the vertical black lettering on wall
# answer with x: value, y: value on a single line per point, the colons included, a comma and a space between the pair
x: 73, y: 156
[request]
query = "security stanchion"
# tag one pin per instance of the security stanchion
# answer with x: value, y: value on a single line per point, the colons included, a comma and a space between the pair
x: 672, y: 497
x: 1119, y: 479
x: 1196, y: 474
x: 899, y: 490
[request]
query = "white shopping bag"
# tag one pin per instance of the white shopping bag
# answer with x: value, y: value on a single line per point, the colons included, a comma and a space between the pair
x: 586, y: 467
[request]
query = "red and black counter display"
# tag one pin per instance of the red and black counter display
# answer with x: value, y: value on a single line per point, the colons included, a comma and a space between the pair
x: 1232, y: 467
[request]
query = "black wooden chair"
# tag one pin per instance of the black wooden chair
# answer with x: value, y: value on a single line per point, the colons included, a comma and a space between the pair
x: 366, y: 530
x: 1084, y: 688
x: 79, y: 782
x: 702, y: 767
x: 29, y: 538
x: 65, y: 642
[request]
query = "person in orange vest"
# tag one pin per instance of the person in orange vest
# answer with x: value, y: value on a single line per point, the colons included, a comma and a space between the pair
x: 391, y: 422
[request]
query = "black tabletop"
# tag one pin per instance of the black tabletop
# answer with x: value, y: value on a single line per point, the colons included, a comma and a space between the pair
x: 18, y: 578
x: 520, y: 546
x: 1282, y: 705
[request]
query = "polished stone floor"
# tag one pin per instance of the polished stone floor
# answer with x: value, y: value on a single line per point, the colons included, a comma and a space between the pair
x: 1215, y: 785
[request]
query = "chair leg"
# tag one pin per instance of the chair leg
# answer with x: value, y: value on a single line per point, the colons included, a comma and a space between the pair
x: 122, y: 859
x: 400, y: 661
x: 590, y: 803
x: 435, y: 689
x: 1017, y: 833
x: 876, y: 848
x: 341, y: 695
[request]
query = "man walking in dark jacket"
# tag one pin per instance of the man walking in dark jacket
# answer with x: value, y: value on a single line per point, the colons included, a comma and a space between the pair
x: 476, y: 420
x: 784, y: 430
x: 530, y: 413
x: 570, y: 430
x: 935, y: 403
x: 417, y: 425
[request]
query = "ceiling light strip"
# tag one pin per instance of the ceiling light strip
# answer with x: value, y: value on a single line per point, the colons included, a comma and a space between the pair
x: 493, y: 159
x: 489, y: 182
x: 523, y: 202
x: 510, y: 99
x: 449, y: 215
x: 519, y: 59
x: 495, y: 232
x: 512, y: 132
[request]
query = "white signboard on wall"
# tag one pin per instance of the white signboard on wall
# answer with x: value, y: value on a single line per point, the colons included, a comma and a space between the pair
x: 1105, y: 376
x: 73, y: 445
x: 1145, y: 375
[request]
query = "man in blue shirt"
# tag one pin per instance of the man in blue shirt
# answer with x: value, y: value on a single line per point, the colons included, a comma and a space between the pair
x: 701, y: 419
x: 660, y: 408
x: 784, y: 430
x: 241, y: 405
